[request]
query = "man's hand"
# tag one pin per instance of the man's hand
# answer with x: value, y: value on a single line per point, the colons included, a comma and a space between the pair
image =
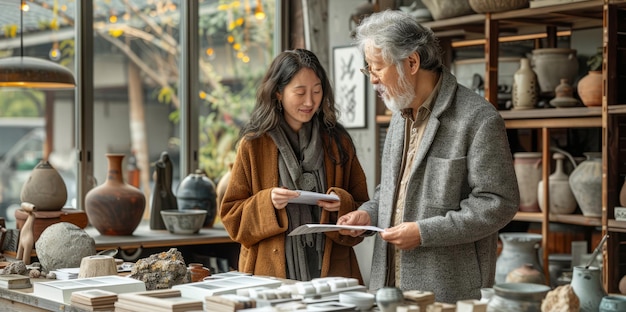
x: 405, y: 236
x: 354, y: 218
x: 330, y: 205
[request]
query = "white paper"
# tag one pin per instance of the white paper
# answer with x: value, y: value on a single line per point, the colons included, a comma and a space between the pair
x: 316, y: 228
x: 311, y: 198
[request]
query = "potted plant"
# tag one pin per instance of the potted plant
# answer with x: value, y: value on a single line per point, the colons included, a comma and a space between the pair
x: 590, y: 86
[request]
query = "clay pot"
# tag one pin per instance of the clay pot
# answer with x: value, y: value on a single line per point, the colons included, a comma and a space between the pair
x: 526, y: 274
x: 198, y: 272
x: 590, y: 88
x: 622, y: 285
x: 197, y: 191
x: 44, y: 188
x: 553, y: 64
x: 485, y: 6
x: 446, y: 9
x: 115, y: 208
x: 586, y: 184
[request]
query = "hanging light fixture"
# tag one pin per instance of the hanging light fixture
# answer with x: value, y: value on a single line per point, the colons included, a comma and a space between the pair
x: 31, y: 72
x: 258, y: 11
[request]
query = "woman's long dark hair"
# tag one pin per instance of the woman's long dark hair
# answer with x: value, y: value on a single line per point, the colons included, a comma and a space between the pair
x: 267, y: 111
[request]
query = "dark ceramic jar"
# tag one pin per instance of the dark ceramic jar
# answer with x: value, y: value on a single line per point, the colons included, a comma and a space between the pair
x: 197, y: 191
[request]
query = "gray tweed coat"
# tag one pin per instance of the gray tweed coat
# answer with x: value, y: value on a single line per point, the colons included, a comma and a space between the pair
x: 462, y: 190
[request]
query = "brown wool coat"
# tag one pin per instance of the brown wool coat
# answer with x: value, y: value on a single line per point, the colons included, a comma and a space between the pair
x: 251, y: 220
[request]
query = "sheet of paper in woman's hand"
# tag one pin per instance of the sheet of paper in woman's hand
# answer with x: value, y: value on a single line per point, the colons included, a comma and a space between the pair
x: 311, y: 198
x: 316, y: 228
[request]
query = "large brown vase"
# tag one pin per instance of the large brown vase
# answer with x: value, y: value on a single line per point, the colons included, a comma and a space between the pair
x: 115, y: 208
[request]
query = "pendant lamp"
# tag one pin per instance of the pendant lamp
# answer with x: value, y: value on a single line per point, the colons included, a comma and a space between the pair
x: 31, y: 72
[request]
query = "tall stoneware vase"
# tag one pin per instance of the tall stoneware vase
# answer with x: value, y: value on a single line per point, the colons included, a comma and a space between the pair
x: 590, y: 88
x: 525, y: 87
x: 114, y: 207
x: 517, y: 249
x: 587, y: 285
x: 586, y: 184
x: 528, y: 168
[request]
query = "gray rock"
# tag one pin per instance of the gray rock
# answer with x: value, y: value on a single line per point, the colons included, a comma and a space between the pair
x: 162, y: 270
x: 63, y: 245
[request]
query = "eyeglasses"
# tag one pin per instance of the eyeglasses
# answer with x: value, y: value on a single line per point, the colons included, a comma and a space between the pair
x: 368, y: 72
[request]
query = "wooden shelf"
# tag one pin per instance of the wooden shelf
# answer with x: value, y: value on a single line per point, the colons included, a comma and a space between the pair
x: 576, y: 219
x: 617, y: 226
x: 573, y: 117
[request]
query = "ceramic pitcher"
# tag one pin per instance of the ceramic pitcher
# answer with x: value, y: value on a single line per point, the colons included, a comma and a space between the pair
x: 587, y: 285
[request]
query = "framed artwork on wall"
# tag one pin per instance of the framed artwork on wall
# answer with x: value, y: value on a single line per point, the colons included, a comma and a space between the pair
x: 350, y: 86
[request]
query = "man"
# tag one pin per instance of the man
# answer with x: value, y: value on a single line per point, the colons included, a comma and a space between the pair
x: 447, y: 182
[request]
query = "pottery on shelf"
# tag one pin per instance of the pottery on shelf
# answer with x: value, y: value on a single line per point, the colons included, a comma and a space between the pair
x: 590, y: 88
x: 45, y: 188
x: 526, y: 273
x: 586, y: 184
x: 525, y: 90
x: 553, y: 64
x: 528, y: 168
x: 562, y: 200
x: 114, y: 207
x: 564, y: 95
x: 197, y: 191
x: 517, y: 249
x: 487, y: 6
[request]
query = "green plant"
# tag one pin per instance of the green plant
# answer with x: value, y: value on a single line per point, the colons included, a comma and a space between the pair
x: 594, y: 62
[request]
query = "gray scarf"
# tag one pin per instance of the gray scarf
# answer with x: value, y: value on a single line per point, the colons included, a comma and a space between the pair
x: 301, y: 167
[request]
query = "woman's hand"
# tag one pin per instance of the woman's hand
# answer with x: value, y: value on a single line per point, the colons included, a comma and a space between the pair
x: 330, y: 205
x: 281, y: 196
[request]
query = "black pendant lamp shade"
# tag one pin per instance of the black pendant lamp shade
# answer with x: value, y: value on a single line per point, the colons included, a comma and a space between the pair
x: 29, y: 72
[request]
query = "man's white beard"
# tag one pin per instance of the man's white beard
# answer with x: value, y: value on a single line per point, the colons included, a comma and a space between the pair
x: 403, y: 99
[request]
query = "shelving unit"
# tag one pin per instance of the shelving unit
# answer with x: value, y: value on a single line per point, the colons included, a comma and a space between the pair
x: 547, y: 23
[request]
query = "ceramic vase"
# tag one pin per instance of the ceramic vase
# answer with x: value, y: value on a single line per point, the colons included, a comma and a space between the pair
x: 517, y: 297
x: 587, y: 285
x: 590, y: 88
x: 524, y: 86
x: 44, y: 188
x: 197, y: 191
x: 517, y: 249
x: 114, y: 207
x: 553, y: 64
x: 528, y: 171
x: 562, y: 200
x: 162, y: 197
x: 586, y: 184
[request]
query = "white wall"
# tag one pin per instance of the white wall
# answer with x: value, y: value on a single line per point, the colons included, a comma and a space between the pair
x: 364, y: 139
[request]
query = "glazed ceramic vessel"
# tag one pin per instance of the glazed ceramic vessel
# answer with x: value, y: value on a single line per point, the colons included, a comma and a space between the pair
x: 586, y: 184
x: 44, y: 188
x: 525, y: 90
x: 587, y: 285
x: 562, y: 200
x: 528, y: 168
x: 197, y: 191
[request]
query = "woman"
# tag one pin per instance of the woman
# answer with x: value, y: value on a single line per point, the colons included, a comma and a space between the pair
x: 293, y: 142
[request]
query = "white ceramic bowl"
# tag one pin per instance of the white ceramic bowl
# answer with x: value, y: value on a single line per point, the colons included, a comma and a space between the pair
x: 362, y: 300
x: 188, y: 221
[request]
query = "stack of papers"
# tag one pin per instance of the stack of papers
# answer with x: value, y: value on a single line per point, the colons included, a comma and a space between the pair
x: 66, y: 273
x: 166, y: 300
